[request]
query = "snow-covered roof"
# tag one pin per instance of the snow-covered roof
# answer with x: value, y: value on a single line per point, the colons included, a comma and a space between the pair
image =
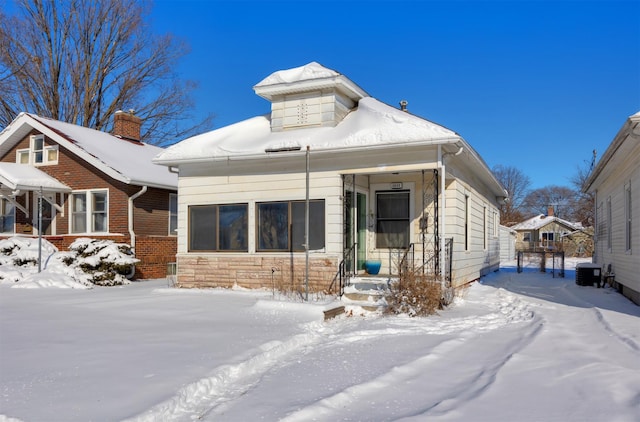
x: 313, y: 70
x: 312, y: 76
x: 22, y: 177
x: 534, y: 223
x: 126, y: 161
x: 372, y: 124
x: 622, y: 144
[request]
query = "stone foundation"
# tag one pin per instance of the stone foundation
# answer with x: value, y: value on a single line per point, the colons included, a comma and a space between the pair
x: 254, y: 271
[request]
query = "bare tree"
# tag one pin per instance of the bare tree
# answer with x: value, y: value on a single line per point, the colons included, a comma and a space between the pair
x: 561, y: 198
x: 517, y: 185
x: 584, y: 208
x: 80, y: 61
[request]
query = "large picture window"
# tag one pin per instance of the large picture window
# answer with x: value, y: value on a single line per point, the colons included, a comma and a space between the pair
x: 218, y: 227
x: 392, y: 219
x: 90, y: 212
x: 281, y: 225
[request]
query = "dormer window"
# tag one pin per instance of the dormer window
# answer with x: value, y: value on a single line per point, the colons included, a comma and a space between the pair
x: 39, y: 153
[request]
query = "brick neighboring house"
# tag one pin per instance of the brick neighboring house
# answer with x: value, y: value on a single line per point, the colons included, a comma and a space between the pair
x: 107, y: 188
x: 543, y: 232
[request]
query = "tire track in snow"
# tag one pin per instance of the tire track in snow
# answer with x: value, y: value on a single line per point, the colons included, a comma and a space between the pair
x: 195, y: 401
x: 625, y: 340
x: 629, y: 342
x: 467, y: 385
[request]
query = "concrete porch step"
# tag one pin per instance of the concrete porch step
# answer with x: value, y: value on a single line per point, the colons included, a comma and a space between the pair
x: 367, y: 293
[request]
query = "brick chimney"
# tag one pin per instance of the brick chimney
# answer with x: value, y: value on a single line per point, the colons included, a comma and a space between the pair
x: 127, y: 125
x: 550, y: 210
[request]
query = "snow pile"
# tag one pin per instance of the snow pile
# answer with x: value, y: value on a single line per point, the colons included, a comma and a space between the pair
x: 89, y: 262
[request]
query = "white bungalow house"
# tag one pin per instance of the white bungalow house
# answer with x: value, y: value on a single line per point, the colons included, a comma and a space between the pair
x: 615, y: 180
x: 543, y: 232
x: 380, y: 184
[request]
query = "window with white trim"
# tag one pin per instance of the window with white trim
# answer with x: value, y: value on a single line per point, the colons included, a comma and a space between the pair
x: 7, y: 216
x: 173, y: 214
x: 466, y: 222
x: 609, y: 223
x: 39, y: 153
x: 484, y: 228
x: 89, y: 211
x: 627, y: 217
x: 393, y: 219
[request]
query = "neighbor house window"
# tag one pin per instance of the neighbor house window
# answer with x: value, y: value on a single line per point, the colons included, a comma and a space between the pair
x: 39, y: 153
x: 89, y: 212
x: 526, y: 237
x: 627, y: 217
x: 392, y: 219
x: 218, y: 228
x: 173, y: 214
x: 7, y: 216
x: 281, y: 225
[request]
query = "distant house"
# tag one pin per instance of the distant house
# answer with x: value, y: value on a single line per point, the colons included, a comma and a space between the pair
x: 578, y: 243
x: 93, y: 184
x: 543, y: 232
x: 615, y: 181
x: 381, y: 184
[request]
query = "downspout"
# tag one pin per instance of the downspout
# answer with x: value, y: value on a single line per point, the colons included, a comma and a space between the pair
x: 132, y: 234
x: 442, y: 216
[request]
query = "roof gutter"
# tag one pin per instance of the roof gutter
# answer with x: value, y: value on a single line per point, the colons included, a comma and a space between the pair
x: 132, y: 234
x: 300, y: 152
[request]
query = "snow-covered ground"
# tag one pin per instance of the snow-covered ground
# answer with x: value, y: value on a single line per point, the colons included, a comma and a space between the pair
x: 514, y: 347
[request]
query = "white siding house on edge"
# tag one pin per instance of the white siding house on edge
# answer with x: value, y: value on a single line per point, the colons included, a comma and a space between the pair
x: 616, y: 183
x: 383, y: 184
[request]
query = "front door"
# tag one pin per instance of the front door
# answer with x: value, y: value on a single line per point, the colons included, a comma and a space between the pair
x: 359, y: 211
x: 48, y: 215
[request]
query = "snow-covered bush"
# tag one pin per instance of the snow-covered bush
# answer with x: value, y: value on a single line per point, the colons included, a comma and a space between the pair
x: 89, y: 262
x: 107, y: 262
x: 23, y: 251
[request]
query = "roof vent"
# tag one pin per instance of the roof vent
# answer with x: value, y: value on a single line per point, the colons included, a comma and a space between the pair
x: 403, y: 105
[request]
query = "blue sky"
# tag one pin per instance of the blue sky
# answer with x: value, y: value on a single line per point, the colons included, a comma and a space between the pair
x: 536, y: 85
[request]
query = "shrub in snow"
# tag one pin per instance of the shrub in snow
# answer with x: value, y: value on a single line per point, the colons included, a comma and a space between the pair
x: 23, y: 251
x: 89, y: 262
x: 108, y: 263
x: 415, y: 295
